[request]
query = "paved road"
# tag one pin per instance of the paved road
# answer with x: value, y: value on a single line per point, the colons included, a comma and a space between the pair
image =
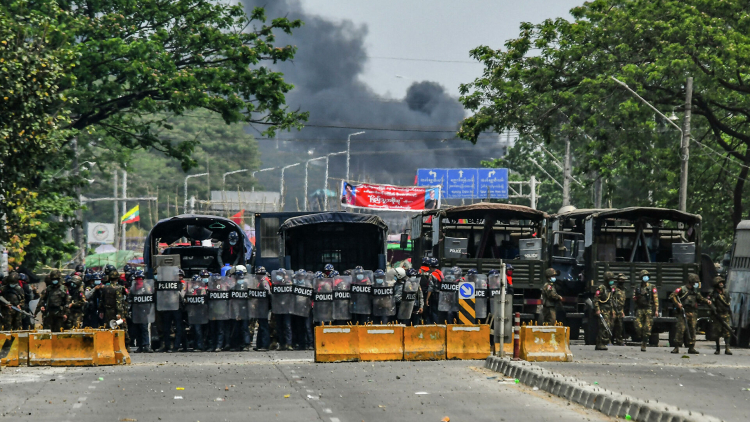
x: 274, y: 386
x: 707, y: 383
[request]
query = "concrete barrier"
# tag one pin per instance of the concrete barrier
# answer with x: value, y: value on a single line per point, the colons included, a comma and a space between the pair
x: 424, y: 342
x: 381, y: 342
x: 545, y: 344
x: 68, y: 348
x: 9, y: 349
x: 467, y: 341
x: 336, y: 343
x: 122, y: 356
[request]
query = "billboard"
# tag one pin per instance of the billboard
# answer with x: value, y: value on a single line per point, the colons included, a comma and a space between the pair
x: 389, y: 198
x: 100, y: 233
x: 467, y: 183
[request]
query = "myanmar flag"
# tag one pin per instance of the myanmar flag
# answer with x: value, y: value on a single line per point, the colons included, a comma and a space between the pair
x: 131, y: 216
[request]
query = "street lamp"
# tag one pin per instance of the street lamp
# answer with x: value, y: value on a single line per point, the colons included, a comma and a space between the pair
x: 348, y: 150
x: 683, y: 136
x: 281, y: 189
x: 186, y: 180
x: 252, y: 175
x: 307, y: 163
x: 325, y: 184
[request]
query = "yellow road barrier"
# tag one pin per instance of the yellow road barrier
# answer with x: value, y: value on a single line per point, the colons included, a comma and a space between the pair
x: 381, y: 342
x: 9, y: 349
x: 336, y: 343
x: 467, y: 341
x: 424, y: 342
x: 120, y: 348
x: 69, y: 348
x: 545, y: 344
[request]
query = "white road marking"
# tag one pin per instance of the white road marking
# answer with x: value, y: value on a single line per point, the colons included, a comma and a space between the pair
x: 309, y: 391
x: 92, y: 387
x: 82, y: 398
x: 335, y: 420
x: 77, y: 405
x: 326, y: 410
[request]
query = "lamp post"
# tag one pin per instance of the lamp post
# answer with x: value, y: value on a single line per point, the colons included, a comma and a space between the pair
x: 281, y: 189
x: 684, y: 135
x: 307, y: 163
x: 348, y: 150
x: 259, y: 171
x: 325, y: 183
x: 186, y: 180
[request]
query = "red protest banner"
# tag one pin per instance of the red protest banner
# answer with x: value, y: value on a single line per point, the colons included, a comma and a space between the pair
x: 388, y: 197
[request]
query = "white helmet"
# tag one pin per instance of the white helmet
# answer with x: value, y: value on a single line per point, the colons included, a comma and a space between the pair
x: 240, y: 268
x: 400, y: 273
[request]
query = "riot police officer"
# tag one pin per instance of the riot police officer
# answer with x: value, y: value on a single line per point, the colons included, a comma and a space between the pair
x: 322, y: 299
x: 260, y: 299
x: 302, y: 337
x: 142, y: 297
x: 239, y: 311
x: 361, y: 296
x: 447, y: 292
x: 383, y: 301
x: 408, y: 294
x: 342, y: 294
x: 282, y: 302
x: 197, y: 308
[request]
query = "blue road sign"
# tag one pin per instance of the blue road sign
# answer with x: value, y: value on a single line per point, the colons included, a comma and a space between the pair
x: 462, y: 184
x: 466, y: 290
x: 495, y: 181
x: 432, y: 177
x: 466, y: 183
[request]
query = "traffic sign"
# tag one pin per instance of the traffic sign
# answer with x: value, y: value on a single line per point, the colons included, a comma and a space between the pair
x: 467, y: 314
x: 466, y: 183
x: 466, y: 290
x: 493, y: 183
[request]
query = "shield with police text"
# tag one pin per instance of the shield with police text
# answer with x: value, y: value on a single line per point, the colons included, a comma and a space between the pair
x: 196, y: 306
x: 448, y: 297
x: 218, y: 298
x: 408, y: 298
x: 383, y: 297
x: 238, y: 300
x: 282, y: 293
x: 480, y: 295
x: 168, y: 288
x: 323, y: 300
x: 303, y: 292
x: 342, y: 297
x: 143, y: 298
x: 258, y: 296
x: 494, y: 288
x: 361, y: 288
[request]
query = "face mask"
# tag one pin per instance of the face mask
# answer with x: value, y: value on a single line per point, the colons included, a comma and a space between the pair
x: 611, y: 283
x: 232, y: 242
x: 14, y: 285
x: 55, y: 282
x: 156, y: 277
x: 695, y: 286
x: 73, y: 285
x: 205, y: 281
x: 553, y: 279
x: 97, y: 282
x: 360, y: 276
x: 379, y: 280
x: 645, y: 278
x: 279, y: 278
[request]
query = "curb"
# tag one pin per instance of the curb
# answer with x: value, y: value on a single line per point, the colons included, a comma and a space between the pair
x: 593, y: 397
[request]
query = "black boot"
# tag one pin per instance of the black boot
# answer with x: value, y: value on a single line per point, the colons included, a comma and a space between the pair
x: 718, y: 348
x: 726, y: 346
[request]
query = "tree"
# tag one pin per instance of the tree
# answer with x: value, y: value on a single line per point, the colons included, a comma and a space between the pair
x: 555, y: 80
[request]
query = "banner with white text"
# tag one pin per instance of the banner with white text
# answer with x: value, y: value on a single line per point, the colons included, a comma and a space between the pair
x: 390, y: 198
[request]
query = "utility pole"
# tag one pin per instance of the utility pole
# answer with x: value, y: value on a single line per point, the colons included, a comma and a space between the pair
x: 348, y: 150
x: 114, y: 207
x: 78, y: 230
x: 281, y: 188
x: 566, y: 174
x: 532, y: 194
x: 598, y: 190
x: 124, y: 238
x: 685, y: 145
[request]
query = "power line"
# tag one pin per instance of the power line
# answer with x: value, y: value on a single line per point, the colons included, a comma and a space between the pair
x: 409, y: 59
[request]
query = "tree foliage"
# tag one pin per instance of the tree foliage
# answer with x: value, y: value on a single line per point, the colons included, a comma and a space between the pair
x: 554, y: 81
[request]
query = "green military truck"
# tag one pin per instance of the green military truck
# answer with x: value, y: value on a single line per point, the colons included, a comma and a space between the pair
x: 738, y: 283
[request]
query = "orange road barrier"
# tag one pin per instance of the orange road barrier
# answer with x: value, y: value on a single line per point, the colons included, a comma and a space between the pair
x: 40, y: 349
x: 9, y: 344
x: 424, y: 342
x: 381, y: 342
x: 545, y: 344
x: 120, y: 348
x: 336, y: 343
x: 75, y: 348
x: 104, y: 347
x: 467, y: 341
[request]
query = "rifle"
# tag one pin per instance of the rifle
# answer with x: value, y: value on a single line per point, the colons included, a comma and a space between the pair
x: 606, y: 326
x: 715, y: 313
x: 684, y: 317
x: 15, y: 308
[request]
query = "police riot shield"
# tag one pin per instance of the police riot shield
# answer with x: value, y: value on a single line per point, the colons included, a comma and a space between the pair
x: 238, y: 300
x: 282, y: 293
x: 383, y: 299
x: 494, y: 287
x: 480, y: 295
x: 196, y: 306
x: 168, y: 288
x: 323, y: 300
x: 341, y: 298
x: 218, y: 298
x: 448, y: 297
x: 303, y: 292
x: 408, y: 298
x: 258, y: 297
x: 361, y: 288
x: 143, y: 299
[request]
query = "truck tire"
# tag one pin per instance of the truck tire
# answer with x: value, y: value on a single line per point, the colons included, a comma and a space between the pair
x: 653, y: 341
x: 575, y: 328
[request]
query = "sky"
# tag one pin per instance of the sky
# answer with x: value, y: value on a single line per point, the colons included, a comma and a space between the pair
x: 443, y: 30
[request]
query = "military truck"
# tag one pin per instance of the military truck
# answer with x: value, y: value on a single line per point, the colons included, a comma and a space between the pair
x: 268, y: 246
x: 665, y: 242
x: 311, y: 241
x: 738, y: 283
x: 483, y: 236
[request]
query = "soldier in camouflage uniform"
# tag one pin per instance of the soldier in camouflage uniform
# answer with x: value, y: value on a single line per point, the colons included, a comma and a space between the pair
x: 77, y: 302
x: 54, y: 304
x: 687, y: 297
x: 646, y: 301
x: 550, y: 298
x: 117, y: 281
x: 618, y: 308
x: 720, y: 300
x: 111, y: 303
x: 13, y: 293
x: 603, y: 307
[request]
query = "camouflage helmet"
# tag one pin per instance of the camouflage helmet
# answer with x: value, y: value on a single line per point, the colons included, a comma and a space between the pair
x: 550, y: 272
x: 693, y: 278
x: 609, y: 275
x: 719, y: 280
x: 643, y: 273
x: 621, y: 278
x: 55, y: 275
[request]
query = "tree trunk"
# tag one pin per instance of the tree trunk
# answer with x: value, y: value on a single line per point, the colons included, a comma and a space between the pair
x: 737, y: 196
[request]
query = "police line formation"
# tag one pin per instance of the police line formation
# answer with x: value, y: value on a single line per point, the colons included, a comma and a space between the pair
x: 222, y: 311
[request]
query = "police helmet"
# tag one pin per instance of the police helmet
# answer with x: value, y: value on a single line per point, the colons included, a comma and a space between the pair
x: 203, y: 273
x: 260, y: 270
x: 139, y: 274
x: 319, y: 274
x: 434, y: 262
x: 472, y: 271
x: 508, y: 267
x: 412, y: 272
x: 456, y: 271
x: 400, y: 273
x: 181, y: 273
x: 358, y: 268
x: 127, y: 269
x: 334, y: 273
x: 347, y: 272
x: 196, y: 278
x: 378, y: 273
x: 80, y: 268
x: 232, y: 238
x: 23, y: 277
x: 328, y: 267
x: 426, y: 261
x: 67, y: 279
x: 109, y: 268
x: 493, y: 272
